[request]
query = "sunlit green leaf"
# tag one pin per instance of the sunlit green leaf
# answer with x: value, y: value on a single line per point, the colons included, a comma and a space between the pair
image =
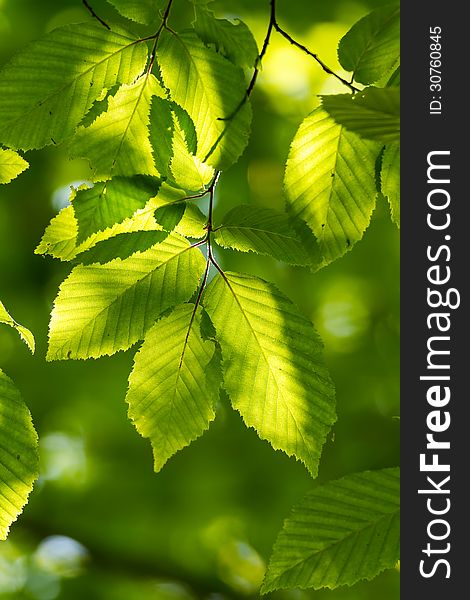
x: 25, y: 334
x: 233, y: 40
x: 11, y: 165
x: 273, y: 367
x: 372, y: 46
x: 330, y: 182
x: 117, y: 143
x: 101, y: 309
x: 141, y: 11
x: 171, y: 399
x: 18, y: 454
x: 121, y: 246
x: 111, y: 202
x: 46, y: 89
x: 390, y: 179
x: 373, y: 114
x: 341, y: 532
x: 209, y: 88
x: 169, y: 216
x: 269, y: 232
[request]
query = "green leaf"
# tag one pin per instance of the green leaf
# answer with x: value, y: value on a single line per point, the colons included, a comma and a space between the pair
x: 209, y: 88
x: 233, y: 40
x: 121, y: 246
x: 269, y: 232
x: 46, y: 89
x: 171, y: 399
x: 194, y: 222
x: 373, y: 114
x: 330, y: 183
x: 273, y: 367
x: 117, y: 141
x: 341, y: 532
x: 101, y: 309
x: 170, y: 215
x: 372, y: 46
x: 11, y: 165
x: 141, y: 11
x: 394, y: 80
x: 25, y: 334
x: 390, y: 179
x: 18, y: 454
x: 111, y: 202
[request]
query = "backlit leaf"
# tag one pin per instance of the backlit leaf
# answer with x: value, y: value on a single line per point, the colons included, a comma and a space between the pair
x: 273, y: 367
x: 372, y: 46
x: 341, y: 532
x: 11, y: 165
x: 117, y: 143
x: 330, y: 182
x: 25, y: 334
x: 171, y: 399
x: 141, y: 11
x: 390, y: 179
x: 209, y: 88
x: 121, y: 246
x: 269, y: 232
x: 373, y: 114
x: 46, y: 89
x: 18, y: 454
x: 101, y: 309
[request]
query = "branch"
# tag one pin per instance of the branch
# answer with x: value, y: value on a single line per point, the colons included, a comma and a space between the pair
x: 163, y: 26
x: 94, y: 15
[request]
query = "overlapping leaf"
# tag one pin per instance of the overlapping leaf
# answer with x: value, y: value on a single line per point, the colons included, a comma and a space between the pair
x: 18, y: 454
x: 101, y: 309
x: 330, y: 183
x: 209, y: 88
x: 269, y: 232
x: 11, y: 165
x: 46, y: 89
x: 273, y: 367
x: 111, y: 202
x: 233, y: 40
x: 117, y: 142
x: 372, y: 46
x: 341, y: 532
x: 171, y: 398
x: 390, y: 179
x: 25, y: 334
x: 123, y: 245
x: 373, y: 114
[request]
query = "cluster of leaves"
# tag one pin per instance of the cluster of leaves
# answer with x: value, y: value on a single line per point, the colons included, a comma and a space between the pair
x: 159, y: 118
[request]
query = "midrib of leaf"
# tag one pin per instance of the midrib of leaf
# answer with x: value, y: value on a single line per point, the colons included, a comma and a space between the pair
x: 366, y: 49
x: 279, y: 388
x: 73, y: 81
x: 118, y: 299
x: 336, y: 545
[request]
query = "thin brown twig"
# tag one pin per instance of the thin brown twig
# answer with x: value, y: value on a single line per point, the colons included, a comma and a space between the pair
x: 95, y: 16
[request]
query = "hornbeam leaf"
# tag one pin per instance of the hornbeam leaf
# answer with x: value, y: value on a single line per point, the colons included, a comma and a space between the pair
x: 209, y: 88
x: 373, y: 114
x: 18, y: 454
x: 171, y: 397
x: 141, y: 11
x: 233, y: 40
x: 269, y: 232
x: 372, y: 46
x: 111, y: 202
x: 121, y: 246
x: 390, y: 179
x: 273, y: 367
x: 25, y: 334
x: 101, y: 309
x: 11, y: 165
x: 117, y: 141
x: 341, y: 532
x: 330, y: 182
x: 46, y: 89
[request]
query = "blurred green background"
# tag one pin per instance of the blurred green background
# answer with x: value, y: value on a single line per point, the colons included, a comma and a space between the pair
x: 100, y: 524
